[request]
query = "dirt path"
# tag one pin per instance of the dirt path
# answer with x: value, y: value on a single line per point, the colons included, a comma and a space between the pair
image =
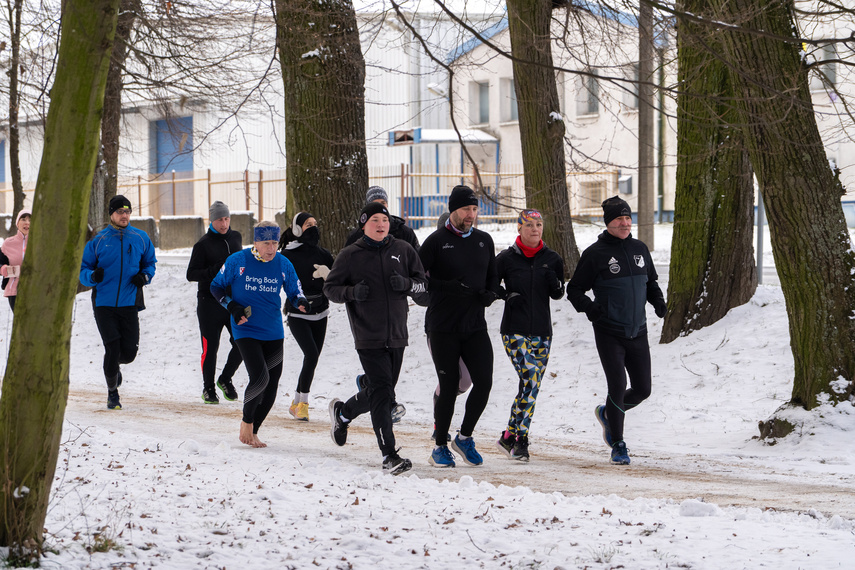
x: 556, y: 465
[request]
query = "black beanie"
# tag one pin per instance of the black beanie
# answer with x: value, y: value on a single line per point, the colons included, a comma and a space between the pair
x: 369, y: 210
x: 613, y: 208
x: 461, y: 196
x: 117, y: 202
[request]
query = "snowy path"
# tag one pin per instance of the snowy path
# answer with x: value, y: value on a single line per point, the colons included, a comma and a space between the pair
x: 563, y: 465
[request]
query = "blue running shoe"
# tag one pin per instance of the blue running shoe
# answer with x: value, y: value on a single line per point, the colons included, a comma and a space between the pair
x: 620, y: 454
x: 442, y: 457
x: 466, y: 449
x: 600, y: 413
x: 398, y: 412
x: 361, y: 382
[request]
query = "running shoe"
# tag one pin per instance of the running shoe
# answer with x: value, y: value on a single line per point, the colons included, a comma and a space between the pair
x: 398, y: 412
x: 620, y: 454
x: 520, y: 451
x: 506, y: 442
x: 395, y: 464
x: 113, y: 400
x: 209, y: 396
x: 442, y: 457
x: 229, y: 392
x: 338, y: 428
x: 466, y: 449
x: 361, y: 382
x: 600, y: 413
x: 300, y: 411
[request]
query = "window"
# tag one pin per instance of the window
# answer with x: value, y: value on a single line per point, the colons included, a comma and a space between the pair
x: 173, y: 139
x: 479, y: 102
x: 510, y: 109
x: 630, y: 92
x: 824, y: 74
x: 587, y: 95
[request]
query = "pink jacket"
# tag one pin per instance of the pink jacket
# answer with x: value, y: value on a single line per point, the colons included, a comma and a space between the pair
x: 13, y: 248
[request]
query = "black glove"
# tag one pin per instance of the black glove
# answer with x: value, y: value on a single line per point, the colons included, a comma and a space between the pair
x: 399, y: 282
x: 98, y: 274
x: 556, y: 285
x: 595, y: 312
x: 486, y: 297
x: 454, y: 287
x: 661, y: 308
x: 302, y: 303
x: 139, y: 279
x: 237, y: 310
x: 360, y: 291
x: 512, y: 298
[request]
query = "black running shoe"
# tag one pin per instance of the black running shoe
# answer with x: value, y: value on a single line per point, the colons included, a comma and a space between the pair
x: 398, y: 412
x: 338, y: 428
x: 113, y: 402
x: 229, y: 392
x: 361, y: 382
x: 520, y: 451
x: 506, y: 444
x: 395, y: 464
x: 209, y: 396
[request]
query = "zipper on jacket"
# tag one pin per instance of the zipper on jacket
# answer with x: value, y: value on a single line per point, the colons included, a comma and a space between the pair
x: 121, y: 264
x: 388, y: 310
x: 631, y: 286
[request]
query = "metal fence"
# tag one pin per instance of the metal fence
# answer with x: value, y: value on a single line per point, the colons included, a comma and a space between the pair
x: 417, y: 194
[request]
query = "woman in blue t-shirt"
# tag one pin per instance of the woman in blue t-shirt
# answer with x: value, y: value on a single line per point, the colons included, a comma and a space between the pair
x: 256, y: 276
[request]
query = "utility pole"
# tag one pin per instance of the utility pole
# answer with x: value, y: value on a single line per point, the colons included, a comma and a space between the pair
x: 646, y: 128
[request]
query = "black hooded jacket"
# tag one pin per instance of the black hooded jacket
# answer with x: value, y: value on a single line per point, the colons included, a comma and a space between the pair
x: 209, y: 254
x: 380, y: 321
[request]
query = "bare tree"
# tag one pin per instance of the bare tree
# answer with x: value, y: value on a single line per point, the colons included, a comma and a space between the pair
x: 35, y: 387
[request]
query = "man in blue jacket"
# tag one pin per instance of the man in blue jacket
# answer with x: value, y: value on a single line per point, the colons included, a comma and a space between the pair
x: 117, y: 263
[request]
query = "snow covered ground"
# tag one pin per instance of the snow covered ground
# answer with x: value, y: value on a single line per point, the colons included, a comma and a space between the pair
x: 165, y: 482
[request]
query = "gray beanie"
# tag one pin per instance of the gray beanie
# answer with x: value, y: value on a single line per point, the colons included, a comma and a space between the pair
x: 218, y: 210
x: 376, y: 193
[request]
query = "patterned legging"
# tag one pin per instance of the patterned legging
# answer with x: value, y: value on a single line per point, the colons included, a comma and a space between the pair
x: 529, y: 355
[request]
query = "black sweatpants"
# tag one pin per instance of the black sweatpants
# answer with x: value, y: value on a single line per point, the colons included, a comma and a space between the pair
x: 212, y: 318
x: 383, y: 366
x: 263, y: 361
x: 120, y: 332
x: 620, y: 356
x: 477, y: 353
x: 310, y: 338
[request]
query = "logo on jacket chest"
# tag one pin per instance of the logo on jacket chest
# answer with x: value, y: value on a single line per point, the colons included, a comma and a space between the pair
x: 614, y: 266
x: 639, y: 260
x: 396, y: 258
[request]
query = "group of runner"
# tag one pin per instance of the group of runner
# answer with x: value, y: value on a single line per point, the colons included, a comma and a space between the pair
x: 455, y: 274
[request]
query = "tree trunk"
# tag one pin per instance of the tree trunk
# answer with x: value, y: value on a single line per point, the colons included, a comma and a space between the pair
x: 107, y: 168
x: 541, y: 128
x: 324, y: 74
x: 646, y: 128
x: 14, y: 15
x: 712, y: 252
x: 810, y: 240
x: 35, y: 387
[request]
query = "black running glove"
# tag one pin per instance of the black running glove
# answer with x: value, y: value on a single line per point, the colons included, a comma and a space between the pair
x: 595, y: 312
x: 139, y: 279
x: 399, y: 282
x: 486, y: 297
x: 661, y: 308
x: 98, y: 274
x: 237, y: 310
x: 360, y: 291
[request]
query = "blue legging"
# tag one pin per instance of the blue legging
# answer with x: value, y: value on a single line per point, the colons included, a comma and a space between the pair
x: 529, y: 355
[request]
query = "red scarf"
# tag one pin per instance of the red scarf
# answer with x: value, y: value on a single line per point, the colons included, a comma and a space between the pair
x: 528, y: 251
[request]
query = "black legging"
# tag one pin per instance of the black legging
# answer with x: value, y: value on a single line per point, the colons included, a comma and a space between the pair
x: 620, y: 356
x: 212, y: 318
x: 120, y: 332
x: 310, y: 338
x: 263, y: 361
x: 383, y: 366
x: 476, y: 350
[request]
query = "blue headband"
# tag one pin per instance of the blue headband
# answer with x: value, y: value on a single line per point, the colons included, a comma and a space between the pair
x: 266, y: 233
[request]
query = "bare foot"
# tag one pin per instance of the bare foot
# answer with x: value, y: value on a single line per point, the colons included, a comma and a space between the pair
x: 257, y: 442
x: 246, y: 435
